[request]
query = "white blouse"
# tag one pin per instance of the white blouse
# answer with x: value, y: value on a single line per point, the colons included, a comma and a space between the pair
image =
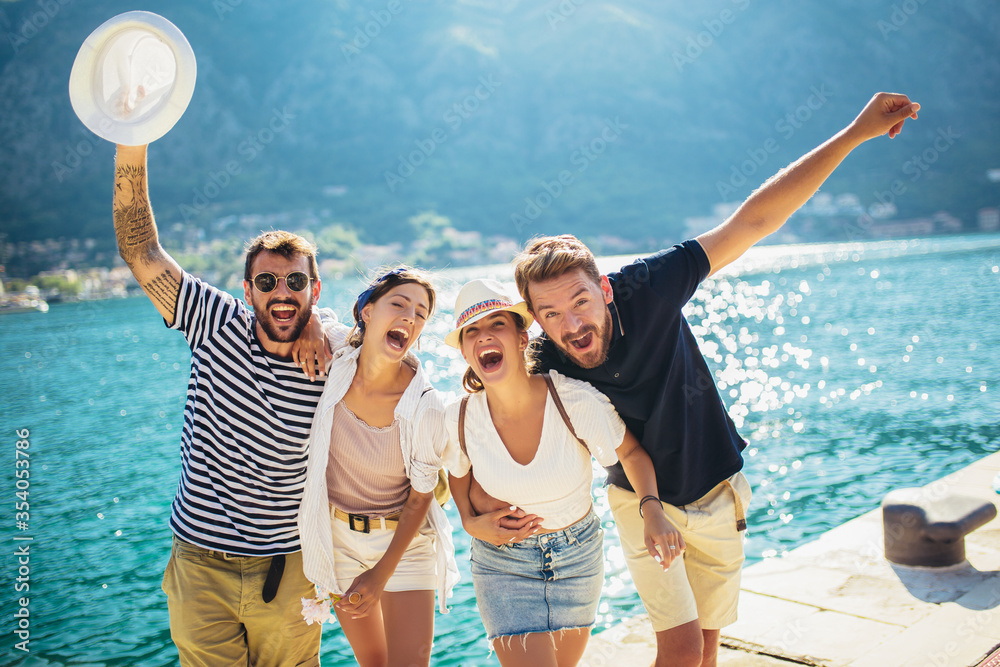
x: 422, y: 441
x: 556, y: 483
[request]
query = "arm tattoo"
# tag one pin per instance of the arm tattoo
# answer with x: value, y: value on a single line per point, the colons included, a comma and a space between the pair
x: 163, y: 289
x: 134, y: 226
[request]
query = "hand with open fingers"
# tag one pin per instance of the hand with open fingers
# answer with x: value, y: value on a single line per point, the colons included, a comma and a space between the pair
x: 488, y: 527
x: 311, y: 352
x: 885, y: 112
x: 360, y: 599
x: 663, y: 541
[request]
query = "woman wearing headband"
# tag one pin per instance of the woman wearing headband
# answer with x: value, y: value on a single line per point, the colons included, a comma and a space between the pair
x: 529, y: 439
x: 373, y: 539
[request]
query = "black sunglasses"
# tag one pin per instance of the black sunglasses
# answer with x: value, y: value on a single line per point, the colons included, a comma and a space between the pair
x: 296, y: 281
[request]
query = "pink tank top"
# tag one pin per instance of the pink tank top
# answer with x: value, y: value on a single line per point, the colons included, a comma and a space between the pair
x: 365, y: 473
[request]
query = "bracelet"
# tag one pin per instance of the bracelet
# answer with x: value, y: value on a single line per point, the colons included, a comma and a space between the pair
x: 644, y: 499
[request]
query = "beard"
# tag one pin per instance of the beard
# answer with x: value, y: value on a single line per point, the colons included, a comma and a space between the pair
x: 271, y: 328
x: 597, y: 356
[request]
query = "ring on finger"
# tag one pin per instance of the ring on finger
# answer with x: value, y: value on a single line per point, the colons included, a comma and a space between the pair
x: 354, y: 598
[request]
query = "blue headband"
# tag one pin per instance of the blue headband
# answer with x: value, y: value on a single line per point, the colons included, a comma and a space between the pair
x: 367, y: 294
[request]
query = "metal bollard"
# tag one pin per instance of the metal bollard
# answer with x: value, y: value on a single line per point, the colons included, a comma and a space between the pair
x: 930, y: 532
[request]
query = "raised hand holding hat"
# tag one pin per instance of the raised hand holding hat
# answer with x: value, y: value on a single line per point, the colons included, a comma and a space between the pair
x: 133, y: 78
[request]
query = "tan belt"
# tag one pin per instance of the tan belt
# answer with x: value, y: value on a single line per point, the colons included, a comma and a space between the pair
x: 363, y: 523
x: 741, y: 515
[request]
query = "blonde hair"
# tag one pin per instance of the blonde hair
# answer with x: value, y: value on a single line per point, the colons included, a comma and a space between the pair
x: 548, y: 257
x: 387, y: 280
x: 471, y: 382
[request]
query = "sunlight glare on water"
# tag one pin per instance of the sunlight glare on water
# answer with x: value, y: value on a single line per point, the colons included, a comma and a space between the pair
x: 851, y: 369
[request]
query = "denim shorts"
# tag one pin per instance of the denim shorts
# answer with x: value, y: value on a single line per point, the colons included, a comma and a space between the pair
x: 546, y: 583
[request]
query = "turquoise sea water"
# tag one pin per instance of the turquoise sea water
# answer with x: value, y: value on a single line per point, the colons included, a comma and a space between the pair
x: 852, y: 369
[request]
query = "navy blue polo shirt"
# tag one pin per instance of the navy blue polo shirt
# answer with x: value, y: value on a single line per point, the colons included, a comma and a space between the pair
x: 658, y: 380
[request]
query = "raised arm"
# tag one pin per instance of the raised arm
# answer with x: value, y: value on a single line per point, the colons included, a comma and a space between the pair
x: 138, y: 243
x: 767, y: 209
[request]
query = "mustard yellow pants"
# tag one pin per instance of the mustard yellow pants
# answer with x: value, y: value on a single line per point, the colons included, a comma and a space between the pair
x: 218, y: 617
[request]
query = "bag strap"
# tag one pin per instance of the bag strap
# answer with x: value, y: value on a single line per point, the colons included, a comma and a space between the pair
x: 562, y: 409
x: 461, y: 423
x: 463, y: 406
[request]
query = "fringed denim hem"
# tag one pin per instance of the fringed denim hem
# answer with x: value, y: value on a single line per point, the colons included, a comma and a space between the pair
x: 506, y: 640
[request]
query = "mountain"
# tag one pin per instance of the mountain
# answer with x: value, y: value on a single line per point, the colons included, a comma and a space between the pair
x: 510, y: 118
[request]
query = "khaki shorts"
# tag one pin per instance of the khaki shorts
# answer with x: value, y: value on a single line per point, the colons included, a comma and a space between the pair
x: 705, y: 583
x: 355, y: 552
x: 218, y: 615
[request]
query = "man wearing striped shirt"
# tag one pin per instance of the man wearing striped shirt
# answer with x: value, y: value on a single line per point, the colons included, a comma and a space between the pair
x: 234, y: 579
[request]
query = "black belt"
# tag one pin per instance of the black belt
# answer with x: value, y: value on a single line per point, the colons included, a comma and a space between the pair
x: 274, y: 571
x: 273, y: 578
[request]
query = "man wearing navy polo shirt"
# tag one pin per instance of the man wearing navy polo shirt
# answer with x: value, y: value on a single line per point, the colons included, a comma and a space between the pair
x: 625, y: 334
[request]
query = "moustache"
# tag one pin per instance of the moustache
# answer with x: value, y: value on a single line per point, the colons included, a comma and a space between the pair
x: 283, y: 300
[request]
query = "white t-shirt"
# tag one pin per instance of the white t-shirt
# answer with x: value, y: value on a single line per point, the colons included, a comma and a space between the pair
x: 556, y: 484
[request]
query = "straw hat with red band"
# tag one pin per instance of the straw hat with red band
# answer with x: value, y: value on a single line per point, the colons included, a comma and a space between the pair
x: 479, y: 298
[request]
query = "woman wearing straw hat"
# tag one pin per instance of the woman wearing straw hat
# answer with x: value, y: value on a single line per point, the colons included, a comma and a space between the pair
x: 373, y: 539
x: 529, y: 439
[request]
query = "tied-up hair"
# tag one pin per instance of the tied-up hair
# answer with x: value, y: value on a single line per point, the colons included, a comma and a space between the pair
x: 473, y: 384
x: 283, y: 243
x: 548, y: 257
x: 386, y: 281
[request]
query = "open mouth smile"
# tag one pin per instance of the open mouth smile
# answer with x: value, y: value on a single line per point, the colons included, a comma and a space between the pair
x: 583, y: 342
x: 397, y: 338
x: 490, y: 358
x: 283, y: 313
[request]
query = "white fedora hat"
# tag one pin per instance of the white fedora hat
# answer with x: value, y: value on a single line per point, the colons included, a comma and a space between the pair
x: 133, y: 78
x: 479, y: 298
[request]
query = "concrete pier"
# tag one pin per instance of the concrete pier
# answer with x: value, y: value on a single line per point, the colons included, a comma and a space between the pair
x: 837, y: 602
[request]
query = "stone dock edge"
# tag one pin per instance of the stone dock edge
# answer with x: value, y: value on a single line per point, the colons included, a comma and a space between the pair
x: 837, y: 602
